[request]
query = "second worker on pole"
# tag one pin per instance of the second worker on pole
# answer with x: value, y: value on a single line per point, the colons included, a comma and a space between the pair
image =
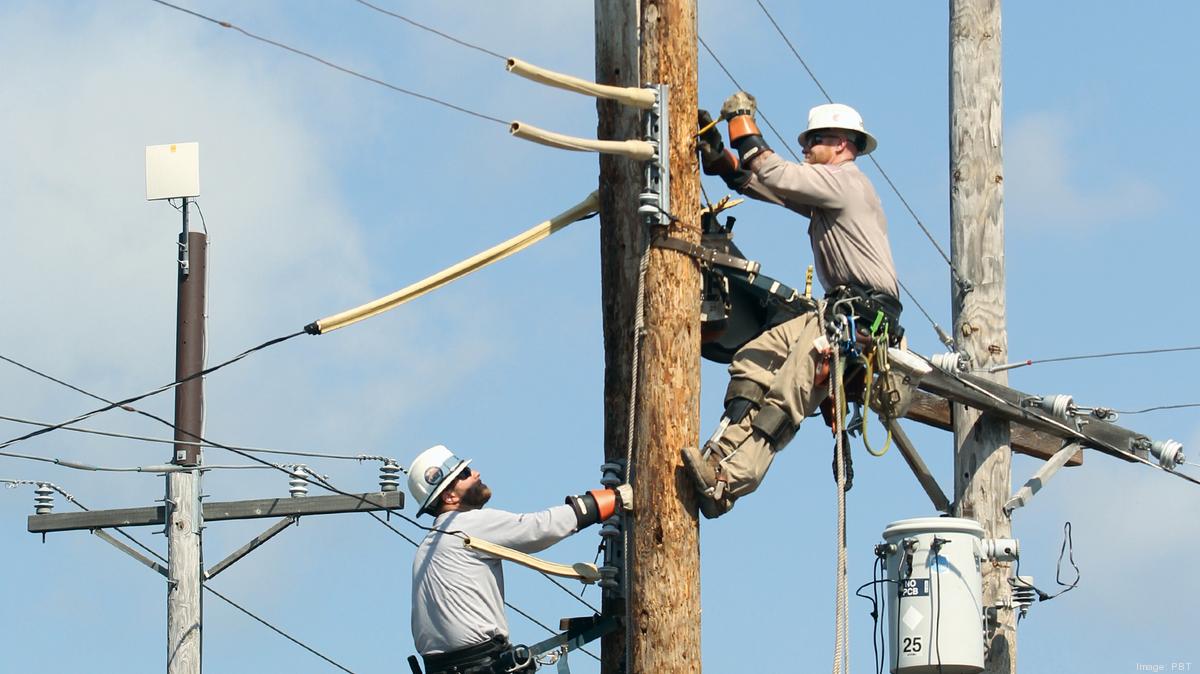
x: 781, y: 376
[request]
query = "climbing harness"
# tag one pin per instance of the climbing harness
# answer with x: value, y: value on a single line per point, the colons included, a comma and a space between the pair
x: 499, y: 656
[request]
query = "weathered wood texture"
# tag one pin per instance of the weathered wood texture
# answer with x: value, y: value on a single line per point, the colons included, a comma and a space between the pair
x: 621, y: 240
x: 183, y: 575
x: 982, y: 458
x: 665, y: 569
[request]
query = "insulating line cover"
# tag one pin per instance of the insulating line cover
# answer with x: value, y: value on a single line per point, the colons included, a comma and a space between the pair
x: 634, y: 149
x: 633, y: 96
x: 457, y: 271
x: 583, y: 572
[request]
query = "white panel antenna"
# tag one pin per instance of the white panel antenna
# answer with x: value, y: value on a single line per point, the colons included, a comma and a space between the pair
x: 172, y: 171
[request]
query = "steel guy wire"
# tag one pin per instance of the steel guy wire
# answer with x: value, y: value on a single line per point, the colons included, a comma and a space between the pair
x: 124, y: 404
x: 330, y: 64
x: 435, y: 31
x: 166, y: 441
x: 959, y: 281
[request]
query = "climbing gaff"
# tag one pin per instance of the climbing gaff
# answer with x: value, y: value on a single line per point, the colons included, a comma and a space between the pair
x: 459, y: 270
x: 636, y: 97
x: 639, y: 150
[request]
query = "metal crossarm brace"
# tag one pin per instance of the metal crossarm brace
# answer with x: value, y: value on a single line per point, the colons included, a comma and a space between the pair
x: 217, y: 511
x: 105, y: 536
x: 251, y: 546
x: 1039, y: 479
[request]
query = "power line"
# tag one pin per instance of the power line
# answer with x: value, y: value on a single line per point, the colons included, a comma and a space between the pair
x: 962, y: 284
x: 330, y: 64
x: 759, y: 110
x: 125, y: 403
x: 435, y: 31
x: 1158, y: 407
x: 274, y: 629
x: 162, y: 559
x: 1090, y: 356
x: 945, y: 339
x: 167, y: 441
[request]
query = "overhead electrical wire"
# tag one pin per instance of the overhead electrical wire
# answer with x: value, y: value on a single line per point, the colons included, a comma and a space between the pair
x: 435, y: 31
x: 330, y: 64
x: 962, y: 283
x: 167, y: 441
x: 124, y: 404
x: 320, y: 480
x: 1091, y: 356
x: 162, y: 559
x: 942, y: 335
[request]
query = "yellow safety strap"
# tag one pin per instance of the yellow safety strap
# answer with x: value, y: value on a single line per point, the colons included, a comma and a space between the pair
x: 457, y: 271
x: 871, y: 356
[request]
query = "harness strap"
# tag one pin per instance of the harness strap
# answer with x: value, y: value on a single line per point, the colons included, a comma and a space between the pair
x: 775, y: 423
x: 706, y: 255
x: 745, y: 389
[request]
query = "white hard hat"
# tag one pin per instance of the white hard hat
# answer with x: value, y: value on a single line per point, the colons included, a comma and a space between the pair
x: 838, y: 116
x: 430, y: 473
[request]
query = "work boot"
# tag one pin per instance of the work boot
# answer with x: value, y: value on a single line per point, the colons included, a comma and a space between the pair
x: 703, y: 471
x: 847, y: 459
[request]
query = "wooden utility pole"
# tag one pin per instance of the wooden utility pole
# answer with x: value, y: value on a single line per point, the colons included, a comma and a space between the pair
x: 184, y: 525
x: 621, y: 239
x: 982, y: 455
x: 664, y: 559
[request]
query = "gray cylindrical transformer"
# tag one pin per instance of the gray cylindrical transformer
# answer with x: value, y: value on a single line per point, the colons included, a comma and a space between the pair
x: 935, y: 595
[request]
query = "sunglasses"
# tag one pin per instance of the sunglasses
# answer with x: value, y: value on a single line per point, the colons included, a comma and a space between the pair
x: 820, y: 138
x: 466, y: 472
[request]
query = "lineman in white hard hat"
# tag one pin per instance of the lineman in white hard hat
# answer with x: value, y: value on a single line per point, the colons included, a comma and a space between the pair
x: 780, y: 377
x: 458, y: 621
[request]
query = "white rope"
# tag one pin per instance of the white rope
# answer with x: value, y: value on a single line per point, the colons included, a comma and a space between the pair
x: 841, y: 655
x: 639, y: 330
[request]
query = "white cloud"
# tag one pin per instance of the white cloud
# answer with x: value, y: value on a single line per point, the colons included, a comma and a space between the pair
x: 1047, y: 183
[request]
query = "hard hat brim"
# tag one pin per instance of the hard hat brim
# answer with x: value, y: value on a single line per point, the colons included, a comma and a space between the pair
x: 869, y: 142
x: 437, y: 491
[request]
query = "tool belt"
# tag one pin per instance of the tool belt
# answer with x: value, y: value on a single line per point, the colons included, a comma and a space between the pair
x: 873, y: 311
x: 494, y: 656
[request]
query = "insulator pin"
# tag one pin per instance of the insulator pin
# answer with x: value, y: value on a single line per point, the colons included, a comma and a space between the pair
x: 389, y: 477
x: 43, y: 499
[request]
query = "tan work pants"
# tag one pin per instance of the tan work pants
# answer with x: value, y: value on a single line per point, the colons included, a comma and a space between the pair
x: 785, y: 361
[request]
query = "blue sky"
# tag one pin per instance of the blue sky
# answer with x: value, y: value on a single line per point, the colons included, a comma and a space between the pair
x: 322, y: 191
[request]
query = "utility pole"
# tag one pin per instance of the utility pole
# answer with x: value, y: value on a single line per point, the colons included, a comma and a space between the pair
x: 622, y: 236
x: 664, y: 559
x: 183, y: 522
x: 982, y: 454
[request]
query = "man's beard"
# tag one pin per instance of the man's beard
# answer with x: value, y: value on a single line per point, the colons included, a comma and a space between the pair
x: 476, y: 496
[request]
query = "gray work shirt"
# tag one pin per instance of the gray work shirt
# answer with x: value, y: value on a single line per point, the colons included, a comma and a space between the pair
x: 457, y: 593
x: 847, y: 226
